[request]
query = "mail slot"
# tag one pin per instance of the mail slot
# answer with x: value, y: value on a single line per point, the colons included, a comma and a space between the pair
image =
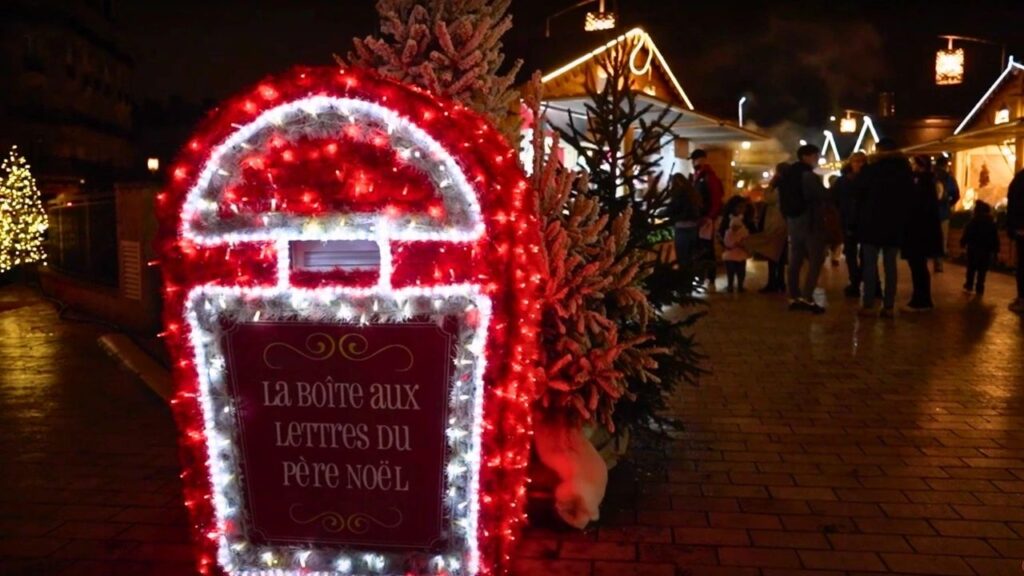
x: 351, y: 268
x: 324, y: 256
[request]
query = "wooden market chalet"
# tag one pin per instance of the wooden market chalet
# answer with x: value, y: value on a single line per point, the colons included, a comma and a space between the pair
x: 729, y: 146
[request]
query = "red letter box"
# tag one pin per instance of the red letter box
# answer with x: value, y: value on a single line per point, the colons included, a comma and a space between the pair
x: 350, y: 272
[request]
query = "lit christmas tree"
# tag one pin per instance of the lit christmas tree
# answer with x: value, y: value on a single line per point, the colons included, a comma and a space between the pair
x: 22, y: 218
x: 450, y: 47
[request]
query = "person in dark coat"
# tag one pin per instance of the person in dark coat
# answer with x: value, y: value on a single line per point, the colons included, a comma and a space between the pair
x: 922, y: 238
x: 845, y: 191
x: 949, y: 195
x: 885, y: 188
x: 684, y: 210
x: 805, y: 222
x: 1015, y: 229
x: 981, y: 239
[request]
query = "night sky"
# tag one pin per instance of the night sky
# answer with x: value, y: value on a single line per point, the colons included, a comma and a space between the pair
x: 796, y: 61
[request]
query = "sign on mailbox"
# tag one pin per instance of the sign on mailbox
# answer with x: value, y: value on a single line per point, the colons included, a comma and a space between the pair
x: 350, y: 271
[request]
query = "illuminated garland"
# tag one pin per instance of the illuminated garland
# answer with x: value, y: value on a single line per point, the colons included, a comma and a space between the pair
x: 327, y: 154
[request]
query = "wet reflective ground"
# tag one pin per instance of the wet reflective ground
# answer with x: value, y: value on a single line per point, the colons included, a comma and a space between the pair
x: 820, y: 445
x: 828, y: 445
x: 88, y: 464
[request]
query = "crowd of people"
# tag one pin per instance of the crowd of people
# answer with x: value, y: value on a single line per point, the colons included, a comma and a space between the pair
x: 880, y: 209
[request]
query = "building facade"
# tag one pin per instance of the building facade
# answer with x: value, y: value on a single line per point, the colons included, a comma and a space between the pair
x: 65, y: 99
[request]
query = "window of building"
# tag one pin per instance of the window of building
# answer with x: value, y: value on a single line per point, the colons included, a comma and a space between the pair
x: 32, y: 59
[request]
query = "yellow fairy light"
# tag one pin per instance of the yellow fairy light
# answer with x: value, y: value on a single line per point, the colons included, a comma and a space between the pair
x: 22, y: 218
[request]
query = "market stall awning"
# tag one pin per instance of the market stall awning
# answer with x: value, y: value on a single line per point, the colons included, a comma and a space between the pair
x: 686, y: 123
x: 971, y: 139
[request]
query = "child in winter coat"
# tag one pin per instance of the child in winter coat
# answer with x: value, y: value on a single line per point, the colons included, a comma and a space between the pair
x: 736, y: 255
x: 981, y: 239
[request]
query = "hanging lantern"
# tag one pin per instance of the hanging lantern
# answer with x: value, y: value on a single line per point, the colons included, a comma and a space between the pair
x: 599, y: 20
x: 848, y: 125
x: 949, y: 65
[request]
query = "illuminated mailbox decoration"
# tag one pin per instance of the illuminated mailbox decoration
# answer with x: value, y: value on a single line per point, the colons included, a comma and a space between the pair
x: 350, y: 274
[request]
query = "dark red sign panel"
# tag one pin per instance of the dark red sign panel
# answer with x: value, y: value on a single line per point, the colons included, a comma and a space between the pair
x: 343, y: 431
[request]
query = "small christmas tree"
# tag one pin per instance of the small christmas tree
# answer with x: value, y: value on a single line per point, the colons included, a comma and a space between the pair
x: 450, y: 47
x: 22, y: 218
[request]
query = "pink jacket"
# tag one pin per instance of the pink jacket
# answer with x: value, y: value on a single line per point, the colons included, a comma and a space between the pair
x: 734, y: 249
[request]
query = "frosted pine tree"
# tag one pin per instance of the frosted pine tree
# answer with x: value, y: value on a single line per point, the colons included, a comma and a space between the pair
x: 595, y: 323
x: 22, y: 218
x: 450, y: 47
x: 625, y: 179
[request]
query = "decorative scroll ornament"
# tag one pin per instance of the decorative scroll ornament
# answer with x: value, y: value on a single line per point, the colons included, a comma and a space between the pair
x: 320, y: 347
x: 357, y: 523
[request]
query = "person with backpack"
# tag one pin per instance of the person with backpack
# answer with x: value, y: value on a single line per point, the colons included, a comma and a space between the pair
x: 803, y: 198
x: 684, y: 210
x: 886, y: 186
x: 709, y: 187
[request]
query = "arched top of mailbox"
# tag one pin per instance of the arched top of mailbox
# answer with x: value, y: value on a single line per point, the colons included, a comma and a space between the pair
x: 329, y: 154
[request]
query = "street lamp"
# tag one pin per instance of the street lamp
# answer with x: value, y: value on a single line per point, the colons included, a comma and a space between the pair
x: 595, y: 21
x: 742, y: 100
x: 949, y: 62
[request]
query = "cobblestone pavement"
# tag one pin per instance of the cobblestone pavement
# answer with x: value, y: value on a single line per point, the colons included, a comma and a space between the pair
x: 88, y: 462
x: 827, y: 446
x: 820, y: 445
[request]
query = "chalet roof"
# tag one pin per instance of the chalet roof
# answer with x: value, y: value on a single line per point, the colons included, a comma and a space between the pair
x: 566, y: 106
x: 637, y: 37
x: 1012, y: 70
x: 972, y: 138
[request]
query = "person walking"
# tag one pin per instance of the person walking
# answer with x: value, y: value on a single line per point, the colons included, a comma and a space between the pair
x: 1015, y: 229
x: 845, y: 193
x: 709, y: 187
x: 802, y: 198
x: 981, y: 239
x: 949, y: 194
x: 922, y: 239
x: 885, y: 187
x: 770, y: 239
x: 684, y: 210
